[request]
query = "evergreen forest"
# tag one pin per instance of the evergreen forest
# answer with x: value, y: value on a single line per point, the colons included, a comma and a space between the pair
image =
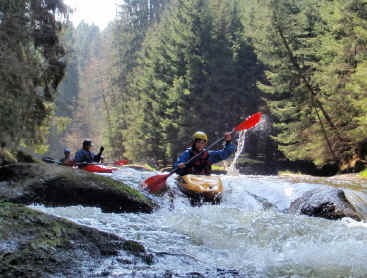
x: 164, y: 69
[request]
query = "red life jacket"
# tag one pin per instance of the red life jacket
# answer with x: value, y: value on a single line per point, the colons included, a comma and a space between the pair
x: 200, y: 166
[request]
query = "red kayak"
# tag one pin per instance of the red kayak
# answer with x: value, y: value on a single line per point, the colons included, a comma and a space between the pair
x: 93, y: 167
x: 98, y: 168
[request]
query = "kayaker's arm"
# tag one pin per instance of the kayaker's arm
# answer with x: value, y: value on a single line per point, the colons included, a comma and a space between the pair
x: 184, y: 157
x: 97, y: 158
x: 217, y: 156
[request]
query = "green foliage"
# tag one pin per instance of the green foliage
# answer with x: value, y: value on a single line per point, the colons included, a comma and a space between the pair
x: 308, y: 48
x: 135, y: 17
x: 184, y: 65
x: 288, y: 33
x: 83, y: 102
x: 344, y: 61
x: 195, y: 71
x: 30, y: 68
x: 67, y: 96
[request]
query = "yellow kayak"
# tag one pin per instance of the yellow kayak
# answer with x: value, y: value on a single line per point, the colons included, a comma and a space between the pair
x: 206, y: 188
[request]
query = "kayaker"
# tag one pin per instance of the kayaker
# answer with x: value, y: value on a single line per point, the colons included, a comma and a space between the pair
x: 202, y: 165
x: 66, y: 160
x: 85, y: 155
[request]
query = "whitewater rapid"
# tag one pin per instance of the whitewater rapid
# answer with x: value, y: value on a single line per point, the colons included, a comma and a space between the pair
x: 249, y: 234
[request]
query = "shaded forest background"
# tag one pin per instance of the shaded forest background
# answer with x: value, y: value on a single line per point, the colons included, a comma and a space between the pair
x: 166, y: 68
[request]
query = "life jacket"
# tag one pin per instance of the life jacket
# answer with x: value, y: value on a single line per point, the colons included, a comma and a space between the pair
x: 200, y: 166
x: 84, y: 156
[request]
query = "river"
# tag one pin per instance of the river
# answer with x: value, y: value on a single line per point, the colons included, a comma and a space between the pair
x: 249, y: 234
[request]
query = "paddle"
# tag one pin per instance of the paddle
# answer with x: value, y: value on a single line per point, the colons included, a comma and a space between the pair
x: 157, y: 183
x: 115, y: 163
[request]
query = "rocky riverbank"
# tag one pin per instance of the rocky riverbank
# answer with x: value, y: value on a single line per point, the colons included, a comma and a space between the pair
x: 54, y: 185
x: 33, y: 244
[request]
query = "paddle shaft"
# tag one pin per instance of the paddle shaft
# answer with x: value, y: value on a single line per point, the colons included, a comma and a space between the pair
x: 95, y: 163
x: 81, y: 163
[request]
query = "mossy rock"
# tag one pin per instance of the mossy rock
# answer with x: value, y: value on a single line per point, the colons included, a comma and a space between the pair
x: 55, y: 185
x: 6, y: 158
x: 33, y: 244
x: 22, y: 156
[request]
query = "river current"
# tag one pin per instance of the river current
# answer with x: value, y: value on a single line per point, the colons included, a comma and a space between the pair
x: 249, y: 234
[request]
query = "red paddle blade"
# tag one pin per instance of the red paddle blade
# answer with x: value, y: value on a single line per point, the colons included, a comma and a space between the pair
x: 249, y: 122
x: 121, y: 162
x: 155, y: 184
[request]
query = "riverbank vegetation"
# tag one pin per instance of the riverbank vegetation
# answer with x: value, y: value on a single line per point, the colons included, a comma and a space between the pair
x: 31, y: 68
x: 166, y: 68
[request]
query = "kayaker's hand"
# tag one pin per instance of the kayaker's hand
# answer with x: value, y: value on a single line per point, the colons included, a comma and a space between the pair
x: 228, y: 136
x: 181, y: 165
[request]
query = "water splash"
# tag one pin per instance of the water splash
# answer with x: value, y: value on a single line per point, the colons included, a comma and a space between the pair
x: 232, y: 169
x: 240, y: 237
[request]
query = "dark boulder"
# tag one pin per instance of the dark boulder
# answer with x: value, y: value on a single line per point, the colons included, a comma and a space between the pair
x: 54, y: 185
x: 325, y: 202
x: 6, y: 157
x: 33, y: 244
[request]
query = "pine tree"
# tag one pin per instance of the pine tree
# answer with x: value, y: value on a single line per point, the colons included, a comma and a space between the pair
x: 30, y: 68
x: 135, y: 17
x: 287, y: 45
x: 314, y: 53
x: 195, y: 72
x: 343, y: 51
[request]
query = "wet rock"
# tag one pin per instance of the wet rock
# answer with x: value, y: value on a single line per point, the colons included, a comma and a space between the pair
x: 6, y: 157
x: 168, y: 274
x: 54, y: 185
x: 325, y: 202
x: 134, y: 247
x: 23, y: 156
x: 138, y: 250
x: 33, y: 244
